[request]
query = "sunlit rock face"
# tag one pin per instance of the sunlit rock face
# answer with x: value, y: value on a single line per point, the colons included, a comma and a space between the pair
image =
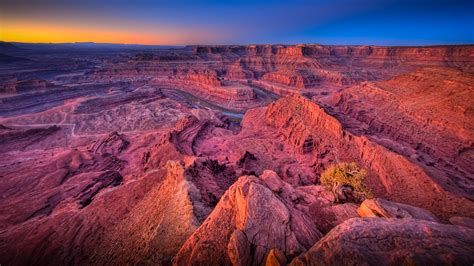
x: 213, y: 154
x: 391, y: 242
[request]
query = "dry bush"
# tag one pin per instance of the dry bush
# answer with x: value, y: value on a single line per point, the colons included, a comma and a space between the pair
x: 346, y: 174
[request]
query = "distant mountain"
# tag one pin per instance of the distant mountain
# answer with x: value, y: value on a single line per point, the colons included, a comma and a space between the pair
x: 7, y: 47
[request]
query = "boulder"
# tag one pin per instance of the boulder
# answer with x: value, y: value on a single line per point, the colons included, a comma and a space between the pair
x: 387, y: 209
x: 248, y: 222
x: 376, y: 241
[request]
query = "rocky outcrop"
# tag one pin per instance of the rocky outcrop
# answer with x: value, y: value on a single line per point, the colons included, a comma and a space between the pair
x: 309, y: 128
x: 387, y: 209
x: 242, y: 230
x: 263, y: 220
x: 434, y: 129
x: 199, y: 77
x: 299, y: 119
x: 151, y: 220
x: 107, y: 179
x: 298, y: 79
x: 114, y: 143
x: 188, y: 129
x: 183, y: 139
x: 286, y: 69
x: 440, y: 54
x: 155, y: 229
x: 206, y: 77
x: 212, y: 179
x: 234, y: 95
x: 376, y: 241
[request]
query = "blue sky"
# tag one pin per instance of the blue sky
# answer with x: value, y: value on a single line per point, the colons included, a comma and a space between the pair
x: 383, y: 22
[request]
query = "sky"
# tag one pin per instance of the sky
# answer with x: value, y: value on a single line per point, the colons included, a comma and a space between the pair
x: 184, y: 22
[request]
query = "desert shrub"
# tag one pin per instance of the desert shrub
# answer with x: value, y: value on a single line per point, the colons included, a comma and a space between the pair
x: 348, y: 174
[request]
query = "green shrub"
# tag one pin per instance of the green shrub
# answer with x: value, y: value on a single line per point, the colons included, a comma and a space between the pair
x: 348, y: 174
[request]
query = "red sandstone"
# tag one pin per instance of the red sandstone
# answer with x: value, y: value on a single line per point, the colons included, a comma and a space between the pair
x: 212, y: 155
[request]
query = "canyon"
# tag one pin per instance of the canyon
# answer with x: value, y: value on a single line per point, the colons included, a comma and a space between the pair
x: 213, y: 155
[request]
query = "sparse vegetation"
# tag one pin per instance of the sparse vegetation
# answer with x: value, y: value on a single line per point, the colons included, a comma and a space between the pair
x: 347, y: 174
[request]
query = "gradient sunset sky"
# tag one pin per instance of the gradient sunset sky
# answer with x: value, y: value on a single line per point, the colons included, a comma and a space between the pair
x: 180, y: 22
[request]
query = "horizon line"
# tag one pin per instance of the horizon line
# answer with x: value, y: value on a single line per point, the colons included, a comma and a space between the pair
x: 245, y: 44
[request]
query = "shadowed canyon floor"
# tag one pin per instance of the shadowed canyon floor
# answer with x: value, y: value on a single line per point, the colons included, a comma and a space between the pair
x: 212, y: 155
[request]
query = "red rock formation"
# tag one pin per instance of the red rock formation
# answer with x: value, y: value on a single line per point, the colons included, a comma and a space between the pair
x: 204, y: 78
x: 298, y: 79
x: 134, y: 157
x: 158, y: 225
x: 242, y: 230
x: 309, y: 128
x: 235, y: 95
x: 425, y: 116
x: 387, y: 209
x: 391, y: 242
x: 186, y: 133
x: 441, y: 54
x: 114, y: 143
x: 297, y: 118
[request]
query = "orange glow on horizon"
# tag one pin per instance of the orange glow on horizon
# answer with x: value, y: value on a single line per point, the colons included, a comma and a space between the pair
x: 44, y: 33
